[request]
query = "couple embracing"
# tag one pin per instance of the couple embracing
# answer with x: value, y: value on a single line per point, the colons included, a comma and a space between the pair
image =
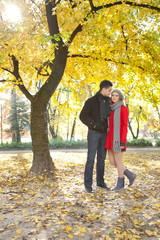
x: 107, y: 121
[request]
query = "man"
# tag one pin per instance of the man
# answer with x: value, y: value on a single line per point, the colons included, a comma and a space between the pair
x: 94, y: 115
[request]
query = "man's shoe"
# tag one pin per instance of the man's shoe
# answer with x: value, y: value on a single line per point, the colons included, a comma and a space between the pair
x: 89, y: 190
x: 103, y: 186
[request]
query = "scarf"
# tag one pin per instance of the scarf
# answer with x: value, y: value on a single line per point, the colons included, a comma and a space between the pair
x: 116, y: 107
x: 104, y: 106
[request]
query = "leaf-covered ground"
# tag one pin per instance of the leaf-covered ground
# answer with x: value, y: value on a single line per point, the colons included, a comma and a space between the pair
x: 39, y: 208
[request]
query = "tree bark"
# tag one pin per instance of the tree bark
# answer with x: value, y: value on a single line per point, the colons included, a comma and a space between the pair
x: 42, y: 160
x: 50, y: 119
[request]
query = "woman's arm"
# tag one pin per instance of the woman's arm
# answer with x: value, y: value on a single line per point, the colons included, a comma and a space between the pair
x: 124, y: 125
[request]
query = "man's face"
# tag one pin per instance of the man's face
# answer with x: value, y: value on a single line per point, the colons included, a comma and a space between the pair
x: 106, y: 91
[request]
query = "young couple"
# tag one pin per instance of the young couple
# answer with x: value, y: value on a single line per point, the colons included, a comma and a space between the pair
x: 107, y: 121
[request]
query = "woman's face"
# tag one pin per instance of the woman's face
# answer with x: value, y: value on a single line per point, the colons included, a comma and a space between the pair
x: 115, y: 97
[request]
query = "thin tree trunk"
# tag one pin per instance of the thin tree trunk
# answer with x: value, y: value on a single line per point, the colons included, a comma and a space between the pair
x: 73, y: 127
x: 131, y: 130
x: 158, y: 112
x: 130, y: 126
x: 16, y: 136
x: 13, y: 137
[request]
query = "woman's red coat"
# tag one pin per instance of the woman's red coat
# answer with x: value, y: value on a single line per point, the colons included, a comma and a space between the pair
x: 123, y: 128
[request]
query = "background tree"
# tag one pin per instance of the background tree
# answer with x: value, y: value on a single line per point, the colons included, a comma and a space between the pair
x: 18, y: 117
x: 153, y: 124
x: 98, y: 38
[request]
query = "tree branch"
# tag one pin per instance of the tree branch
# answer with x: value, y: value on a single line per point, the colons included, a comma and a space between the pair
x: 74, y: 33
x: 3, y: 80
x: 133, y: 4
x: 5, y: 69
x: 105, y: 59
x: 45, y: 64
x: 36, y: 5
x: 143, y: 6
x: 91, y: 5
x: 16, y: 74
x: 73, y: 4
x: 58, y: 2
x: 96, y: 9
x: 95, y: 58
x: 53, y: 22
x: 126, y: 40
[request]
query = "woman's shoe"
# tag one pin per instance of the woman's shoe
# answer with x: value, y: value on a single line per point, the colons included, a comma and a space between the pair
x: 131, y: 176
x: 120, y: 184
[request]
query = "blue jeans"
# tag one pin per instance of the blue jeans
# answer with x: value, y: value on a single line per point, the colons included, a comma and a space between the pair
x: 96, y: 144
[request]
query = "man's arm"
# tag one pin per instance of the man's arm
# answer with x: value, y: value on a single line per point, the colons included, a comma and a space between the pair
x: 85, y: 115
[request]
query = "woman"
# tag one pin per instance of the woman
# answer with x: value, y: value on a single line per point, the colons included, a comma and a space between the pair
x: 117, y: 138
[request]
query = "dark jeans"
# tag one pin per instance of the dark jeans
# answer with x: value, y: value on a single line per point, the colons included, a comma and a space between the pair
x: 96, y: 144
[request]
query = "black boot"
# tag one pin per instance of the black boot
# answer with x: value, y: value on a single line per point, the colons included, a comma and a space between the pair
x: 120, y: 184
x: 131, y: 176
x: 89, y: 190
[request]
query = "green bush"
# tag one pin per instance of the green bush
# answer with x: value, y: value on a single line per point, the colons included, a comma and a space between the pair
x: 68, y: 144
x: 59, y: 143
x: 15, y: 145
x: 139, y: 142
x: 54, y: 144
x: 157, y: 143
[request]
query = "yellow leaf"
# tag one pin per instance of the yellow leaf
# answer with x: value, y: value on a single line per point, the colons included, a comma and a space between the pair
x: 68, y: 229
x: 149, y: 233
x: 135, y: 222
x: 83, y: 230
x: 108, y: 238
x: 119, y: 220
x: 136, y: 237
x: 19, y: 232
x: 155, y: 233
x: 147, y: 216
x: 39, y: 225
x: 70, y: 236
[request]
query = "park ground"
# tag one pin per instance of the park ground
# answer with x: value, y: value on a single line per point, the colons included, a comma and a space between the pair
x: 37, y: 208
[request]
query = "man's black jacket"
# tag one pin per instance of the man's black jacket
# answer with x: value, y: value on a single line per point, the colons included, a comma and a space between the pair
x: 90, y: 115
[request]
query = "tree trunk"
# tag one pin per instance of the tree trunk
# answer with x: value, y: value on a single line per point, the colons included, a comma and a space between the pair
x: 130, y: 126
x: 42, y: 160
x: 131, y: 130
x: 13, y: 137
x: 16, y: 136
x: 73, y: 127
x: 50, y: 119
